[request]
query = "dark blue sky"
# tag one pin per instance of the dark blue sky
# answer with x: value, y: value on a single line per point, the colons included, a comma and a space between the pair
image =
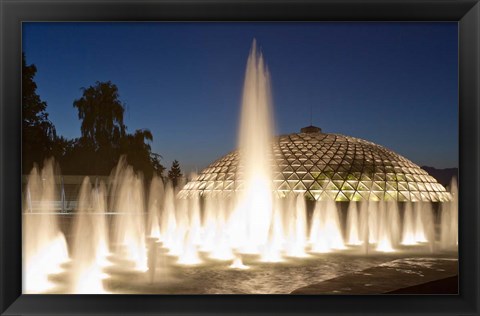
x: 391, y: 83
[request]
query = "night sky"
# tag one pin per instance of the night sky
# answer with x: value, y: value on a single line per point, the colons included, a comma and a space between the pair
x: 394, y: 84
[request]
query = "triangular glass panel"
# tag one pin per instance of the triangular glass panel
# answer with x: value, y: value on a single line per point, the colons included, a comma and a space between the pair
x: 308, y: 176
x: 410, y: 177
x: 299, y: 186
x: 292, y: 183
x: 402, y: 186
x: 288, y: 169
x: 412, y: 186
x: 296, y: 163
x: 337, y: 176
x: 332, y: 194
x: 349, y: 194
x: 377, y: 187
x: 331, y: 186
x: 391, y: 186
x: 293, y: 176
x: 391, y: 195
x: 401, y: 197
x: 308, y: 183
x: 210, y: 185
x: 347, y: 186
x: 338, y: 184
x: 284, y: 186
x: 365, y: 176
x: 365, y: 195
x: 357, y: 197
x: 405, y: 195
x: 341, y: 197
x: 433, y: 196
x: 301, y: 169
x: 353, y: 183
x: 308, y: 163
x: 323, y: 196
x: 378, y: 194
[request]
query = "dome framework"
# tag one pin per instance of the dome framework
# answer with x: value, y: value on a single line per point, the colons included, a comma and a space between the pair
x: 326, y: 167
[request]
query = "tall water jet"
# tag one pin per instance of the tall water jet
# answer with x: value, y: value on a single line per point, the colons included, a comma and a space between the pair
x: 419, y: 214
x: 195, y: 228
x: 168, y: 221
x: 220, y: 247
x: 130, y: 220
x: 89, y: 242
x: 276, y: 238
x: 44, y: 245
x: 449, y: 219
x: 353, y: 228
x: 428, y: 225
x: 318, y: 238
x: 181, y: 228
x: 384, y: 242
x: 364, y: 228
x: 189, y: 255
x: 373, y: 210
x: 408, y: 230
x: 388, y: 228
x: 297, y: 226
x: 100, y: 225
x: 155, y: 199
x: 326, y: 232
x: 256, y: 133
x: 333, y: 228
x: 209, y: 225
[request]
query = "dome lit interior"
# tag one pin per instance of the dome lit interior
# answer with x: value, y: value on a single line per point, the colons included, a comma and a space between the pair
x: 327, y: 167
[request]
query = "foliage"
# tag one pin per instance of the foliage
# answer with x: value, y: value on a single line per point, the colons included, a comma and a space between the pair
x: 104, y: 136
x: 101, y: 113
x: 138, y: 153
x: 38, y: 132
x: 175, y: 173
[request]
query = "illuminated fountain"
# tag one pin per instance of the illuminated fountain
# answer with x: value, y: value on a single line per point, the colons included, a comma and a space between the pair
x: 147, y: 230
x: 90, y: 245
x: 129, y: 232
x: 254, y: 208
x: 449, y: 219
x: 44, y: 245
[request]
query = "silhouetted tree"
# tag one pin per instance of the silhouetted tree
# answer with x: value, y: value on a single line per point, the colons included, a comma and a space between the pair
x: 104, y: 136
x: 175, y: 173
x: 38, y: 132
x: 101, y: 112
x: 157, y: 166
x: 138, y: 152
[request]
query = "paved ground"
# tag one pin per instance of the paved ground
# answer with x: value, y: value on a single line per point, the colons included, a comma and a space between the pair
x: 402, y: 276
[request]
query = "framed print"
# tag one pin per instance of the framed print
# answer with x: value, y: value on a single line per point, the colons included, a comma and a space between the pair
x: 239, y: 157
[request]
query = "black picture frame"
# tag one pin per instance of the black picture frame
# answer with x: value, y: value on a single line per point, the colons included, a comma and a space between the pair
x: 13, y: 12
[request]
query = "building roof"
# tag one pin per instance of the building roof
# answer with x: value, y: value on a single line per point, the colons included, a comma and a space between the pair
x: 327, y: 167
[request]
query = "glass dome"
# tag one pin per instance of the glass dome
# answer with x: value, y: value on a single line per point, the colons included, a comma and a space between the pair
x: 327, y: 167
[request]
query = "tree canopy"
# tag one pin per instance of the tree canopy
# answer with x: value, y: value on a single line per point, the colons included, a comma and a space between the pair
x: 101, y: 113
x: 104, y: 138
x: 38, y: 132
x: 175, y: 173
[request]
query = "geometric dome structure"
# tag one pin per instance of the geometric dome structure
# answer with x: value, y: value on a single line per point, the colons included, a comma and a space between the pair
x: 326, y: 167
